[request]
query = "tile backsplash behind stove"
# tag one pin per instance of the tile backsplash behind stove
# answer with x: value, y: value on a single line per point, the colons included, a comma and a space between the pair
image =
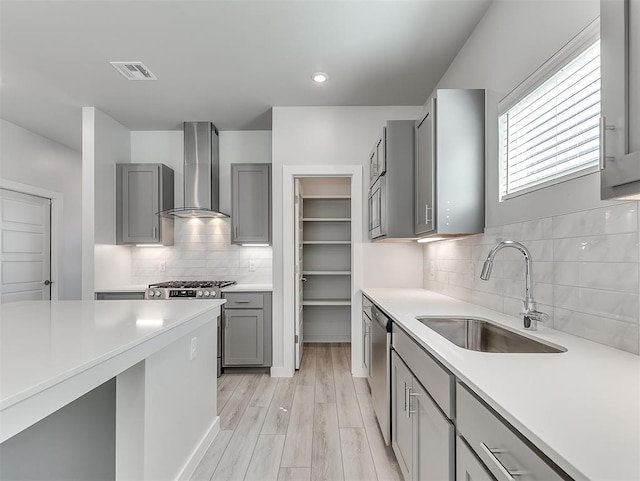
x: 585, y: 272
x: 202, y: 251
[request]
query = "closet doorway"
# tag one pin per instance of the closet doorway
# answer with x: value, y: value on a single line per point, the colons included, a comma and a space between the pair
x: 322, y: 261
x: 322, y: 244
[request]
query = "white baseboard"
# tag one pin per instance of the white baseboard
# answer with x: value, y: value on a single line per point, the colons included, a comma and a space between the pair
x: 199, y: 452
x: 281, y: 371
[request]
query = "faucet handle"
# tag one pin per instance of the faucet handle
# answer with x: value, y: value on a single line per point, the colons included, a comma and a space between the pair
x: 538, y: 315
x: 532, y: 317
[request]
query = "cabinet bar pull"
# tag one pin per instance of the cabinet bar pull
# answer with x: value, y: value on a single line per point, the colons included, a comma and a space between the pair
x: 508, y: 475
x: 603, y: 142
x: 406, y: 397
x: 155, y: 232
x: 241, y: 302
x: 411, y: 394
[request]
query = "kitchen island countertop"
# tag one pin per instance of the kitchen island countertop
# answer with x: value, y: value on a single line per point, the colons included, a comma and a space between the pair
x: 54, y: 351
x: 580, y: 407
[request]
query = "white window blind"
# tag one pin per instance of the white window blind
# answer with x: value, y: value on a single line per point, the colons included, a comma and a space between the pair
x: 553, y: 131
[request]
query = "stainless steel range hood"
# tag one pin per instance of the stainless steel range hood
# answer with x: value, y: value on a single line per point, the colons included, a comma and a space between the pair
x: 201, y: 173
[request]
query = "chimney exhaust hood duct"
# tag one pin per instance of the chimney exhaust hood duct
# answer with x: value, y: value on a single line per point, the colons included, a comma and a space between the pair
x: 201, y: 173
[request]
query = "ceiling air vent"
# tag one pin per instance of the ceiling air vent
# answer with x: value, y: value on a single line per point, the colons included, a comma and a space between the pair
x: 133, y: 70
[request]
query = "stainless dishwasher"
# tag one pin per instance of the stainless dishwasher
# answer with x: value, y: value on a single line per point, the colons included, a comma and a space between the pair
x: 381, y: 370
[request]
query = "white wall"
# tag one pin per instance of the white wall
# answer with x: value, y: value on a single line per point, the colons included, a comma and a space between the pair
x: 512, y: 41
x: 105, y: 143
x: 28, y: 158
x: 335, y: 136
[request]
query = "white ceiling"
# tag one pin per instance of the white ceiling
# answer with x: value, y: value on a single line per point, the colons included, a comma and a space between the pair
x: 227, y: 61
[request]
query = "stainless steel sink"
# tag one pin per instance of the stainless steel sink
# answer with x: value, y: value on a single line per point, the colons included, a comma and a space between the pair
x: 484, y: 336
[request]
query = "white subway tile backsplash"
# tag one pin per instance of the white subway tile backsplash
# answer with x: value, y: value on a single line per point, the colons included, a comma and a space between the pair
x: 621, y: 335
x: 585, y: 272
x: 614, y: 219
x: 621, y: 306
x: 615, y: 276
x: 485, y: 299
x: 602, y: 248
x: 202, y: 251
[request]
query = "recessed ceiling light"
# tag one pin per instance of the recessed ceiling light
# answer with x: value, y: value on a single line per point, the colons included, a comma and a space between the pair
x: 319, y: 77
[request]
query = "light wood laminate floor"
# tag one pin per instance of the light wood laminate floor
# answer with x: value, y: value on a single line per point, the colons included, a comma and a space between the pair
x: 318, y: 425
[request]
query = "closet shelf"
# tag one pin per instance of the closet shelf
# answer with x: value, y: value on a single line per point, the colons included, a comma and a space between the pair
x: 326, y: 302
x: 326, y: 219
x: 326, y: 273
x: 327, y: 242
x: 328, y: 197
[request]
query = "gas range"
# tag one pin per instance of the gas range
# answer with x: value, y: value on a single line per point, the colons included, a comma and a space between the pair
x: 186, y: 289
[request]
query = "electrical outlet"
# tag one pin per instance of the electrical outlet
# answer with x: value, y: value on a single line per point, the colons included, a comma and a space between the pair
x: 252, y: 266
x: 194, y: 347
x: 163, y: 266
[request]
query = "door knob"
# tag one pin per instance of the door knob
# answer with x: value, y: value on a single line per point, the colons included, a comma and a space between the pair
x: 47, y: 282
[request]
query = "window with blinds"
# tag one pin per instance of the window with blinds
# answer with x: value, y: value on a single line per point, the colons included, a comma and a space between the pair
x: 552, y: 132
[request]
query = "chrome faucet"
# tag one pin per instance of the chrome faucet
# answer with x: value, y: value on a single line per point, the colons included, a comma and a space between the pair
x: 530, y: 314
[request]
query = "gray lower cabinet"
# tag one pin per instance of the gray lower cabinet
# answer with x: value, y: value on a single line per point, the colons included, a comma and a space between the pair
x: 250, y: 203
x: 501, y: 450
x: 246, y: 330
x: 422, y: 436
x: 143, y: 190
x: 468, y: 467
x: 429, y: 406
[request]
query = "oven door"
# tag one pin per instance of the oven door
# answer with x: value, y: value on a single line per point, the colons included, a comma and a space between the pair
x: 377, y: 209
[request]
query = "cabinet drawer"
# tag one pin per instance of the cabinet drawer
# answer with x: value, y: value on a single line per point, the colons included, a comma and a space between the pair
x: 244, y: 300
x: 468, y: 467
x: 434, y: 377
x: 497, y: 444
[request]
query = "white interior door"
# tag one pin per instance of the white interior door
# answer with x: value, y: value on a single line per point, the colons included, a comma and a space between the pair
x: 298, y: 272
x: 25, y: 247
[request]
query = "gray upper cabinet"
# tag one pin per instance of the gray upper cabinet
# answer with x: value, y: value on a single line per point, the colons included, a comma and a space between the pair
x: 620, y: 121
x: 250, y: 203
x: 391, y: 196
x: 378, y: 158
x: 143, y: 190
x: 449, y: 164
x: 424, y: 170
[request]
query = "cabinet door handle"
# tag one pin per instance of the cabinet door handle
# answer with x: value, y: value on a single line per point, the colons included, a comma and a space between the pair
x: 242, y: 302
x: 235, y: 230
x: 411, y: 394
x: 426, y: 213
x: 507, y: 474
x: 155, y: 232
x: 406, y: 397
x: 603, y: 142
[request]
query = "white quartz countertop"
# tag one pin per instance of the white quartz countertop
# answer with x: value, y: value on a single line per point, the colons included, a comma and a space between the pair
x: 46, y: 343
x: 249, y: 288
x: 580, y: 407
